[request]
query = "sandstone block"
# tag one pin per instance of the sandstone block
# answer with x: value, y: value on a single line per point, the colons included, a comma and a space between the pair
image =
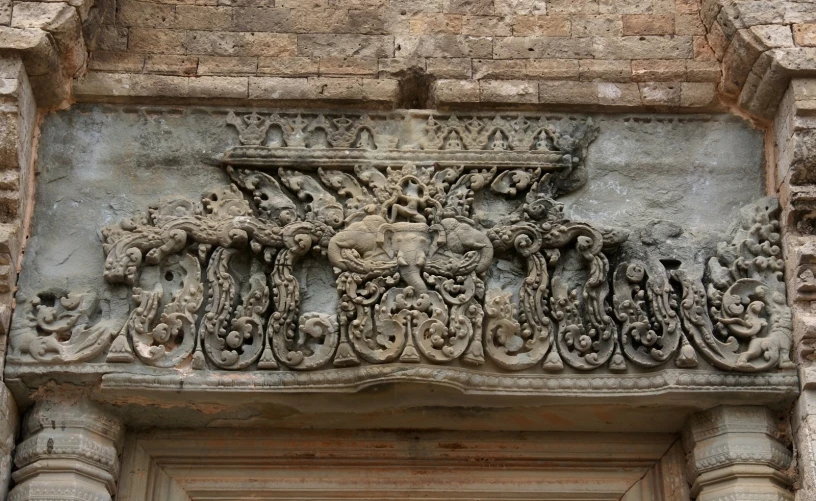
x: 643, y: 47
x: 497, y: 68
x: 639, y: 24
x: 153, y: 41
x: 9, y: 140
x: 208, y: 65
x: 618, y: 94
x: 218, y: 87
x: 11, y: 67
x: 452, y: 68
x: 197, y: 17
x: 347, y: 66
x: 658, y: 70
x: 798, y: 13
x: 717, y: 40
x: 519, y: 7
x: 624, y: 7
x: 689, y: 24
x: 412, y: 6
x: 5, y: 12
x: 117, y: 61
x: 357, y: 4
x: 36, y: 14
x: 687, y: 6
x: 271, y: 20
x: 508, y: 91
x: 279, y: 88
x: 739, y: 58
x: 346, y: 89
x: 345, y: 45
x: 773, y: 36
x: 602, y: 26
x: 397, y: 66
x: 697, y: 94
x: 434, y: 23
x: 551, y: 69
x: 455, y: 91
x: 301, y: 4
x: 39, y: 53
x: 703, y: 51
x: 150, y: 15
x: 805, y: 34
x: 606, y: 70
x: 659, y: 93
x: 442, y: 46
x: 542, y: 48
x: 111, y: 38
x: 308, y: 21
x: 486, y: 26
x: 171, y: 65
x: 549, y: 26
x: 703, y: 71
x: 585, y: 93
x: 383, y: 90
x: 288, y: 66
x: 474, y: 7
x: 220, y: 43
x: 572, y: 7
x: 158, y: 85
x: 367, y: 21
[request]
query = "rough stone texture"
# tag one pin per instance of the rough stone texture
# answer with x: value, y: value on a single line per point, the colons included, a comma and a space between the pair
x: 634, y: 183
x: 738, y: 453
x: 585, y: 54
x: 794, y: 132
x: 70, y: 451
x: 482, y: 44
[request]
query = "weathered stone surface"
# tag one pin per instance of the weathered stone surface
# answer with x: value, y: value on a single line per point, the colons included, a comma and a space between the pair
x: 736, y: 452
x: 196, y: 137
x: 70, y: 451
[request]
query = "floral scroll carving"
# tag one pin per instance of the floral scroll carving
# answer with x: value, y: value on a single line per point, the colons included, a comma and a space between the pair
x: 413, y: 254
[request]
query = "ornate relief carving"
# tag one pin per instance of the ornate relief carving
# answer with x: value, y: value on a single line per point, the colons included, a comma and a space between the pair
x: 413, y: 250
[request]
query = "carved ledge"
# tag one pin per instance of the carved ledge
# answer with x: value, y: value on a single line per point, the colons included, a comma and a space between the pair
x: 417, y: 255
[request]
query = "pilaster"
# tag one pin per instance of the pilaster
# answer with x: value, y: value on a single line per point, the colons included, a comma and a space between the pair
x: 70, y: 452
x: 735, y: 454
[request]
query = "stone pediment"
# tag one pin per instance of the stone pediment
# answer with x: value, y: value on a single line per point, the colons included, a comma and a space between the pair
x: 351, y: 249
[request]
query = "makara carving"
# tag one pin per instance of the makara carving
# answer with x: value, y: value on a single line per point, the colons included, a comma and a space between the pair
x: 416, y: 262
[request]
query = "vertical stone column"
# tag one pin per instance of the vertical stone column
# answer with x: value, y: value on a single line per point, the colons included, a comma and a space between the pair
x: 70, y: 452
x: 735, y: 454
x: 794, y: 137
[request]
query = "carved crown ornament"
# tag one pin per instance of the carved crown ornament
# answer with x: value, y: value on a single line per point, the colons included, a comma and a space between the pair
x: 400, y: 210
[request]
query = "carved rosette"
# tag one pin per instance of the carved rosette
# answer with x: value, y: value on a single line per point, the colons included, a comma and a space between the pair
x: 214, y: 284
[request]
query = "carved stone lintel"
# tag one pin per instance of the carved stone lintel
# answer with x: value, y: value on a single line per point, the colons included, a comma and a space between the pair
x: 737, y: 453
x: 415, y: 242
x: 70, y: 452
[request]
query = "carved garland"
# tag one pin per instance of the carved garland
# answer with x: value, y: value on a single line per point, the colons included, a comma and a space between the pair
x: 410, y: 255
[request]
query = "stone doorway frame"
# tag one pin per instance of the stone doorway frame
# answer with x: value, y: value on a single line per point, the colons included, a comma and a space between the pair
x: 318, y: 464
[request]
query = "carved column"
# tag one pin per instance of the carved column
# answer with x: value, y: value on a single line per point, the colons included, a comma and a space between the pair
x: 71, y: 452
x: 735, y: 454
x: 795, y: 149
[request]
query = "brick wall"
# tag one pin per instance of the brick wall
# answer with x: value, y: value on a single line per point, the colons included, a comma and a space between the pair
x: 623, y: 53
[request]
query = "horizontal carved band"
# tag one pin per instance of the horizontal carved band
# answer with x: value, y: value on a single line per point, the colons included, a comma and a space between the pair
x: 448, y: 263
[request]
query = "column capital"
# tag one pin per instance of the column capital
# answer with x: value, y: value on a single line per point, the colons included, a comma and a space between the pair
x: 70, y: 450
x: 735, y: 453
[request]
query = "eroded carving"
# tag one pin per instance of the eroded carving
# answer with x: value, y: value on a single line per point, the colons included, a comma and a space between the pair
x: 411, y: 249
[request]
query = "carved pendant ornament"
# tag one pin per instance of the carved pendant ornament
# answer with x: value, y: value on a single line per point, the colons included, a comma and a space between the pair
x: 414, y: 259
